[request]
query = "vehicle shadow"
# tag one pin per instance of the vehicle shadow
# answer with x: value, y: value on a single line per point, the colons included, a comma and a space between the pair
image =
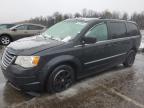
x: 96, y: 74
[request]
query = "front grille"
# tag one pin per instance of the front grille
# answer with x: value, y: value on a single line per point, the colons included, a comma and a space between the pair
x: 7, y: 59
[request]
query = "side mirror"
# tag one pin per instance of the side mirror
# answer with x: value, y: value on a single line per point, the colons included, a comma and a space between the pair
x: 14, y: 29
x: 89, y: 40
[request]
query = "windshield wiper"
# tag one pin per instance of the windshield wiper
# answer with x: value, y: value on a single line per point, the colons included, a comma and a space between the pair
x: 55, y: 39
x: 50, y: 37
x: 46, y: 36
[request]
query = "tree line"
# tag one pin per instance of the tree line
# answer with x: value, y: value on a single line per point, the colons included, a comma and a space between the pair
x: 57, y: 17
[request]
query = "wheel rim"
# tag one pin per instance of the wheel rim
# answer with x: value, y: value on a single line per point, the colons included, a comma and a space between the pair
x: 5, y: 40
x: 131, y: 58
x: 62, y: 80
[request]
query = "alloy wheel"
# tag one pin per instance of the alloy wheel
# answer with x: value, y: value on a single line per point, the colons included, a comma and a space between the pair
x: 5, y: 40
x: 62, y: 80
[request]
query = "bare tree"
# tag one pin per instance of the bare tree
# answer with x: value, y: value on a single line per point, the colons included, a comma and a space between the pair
x: 77, y: 15
x: 57, y: 17
x: 125, y: 16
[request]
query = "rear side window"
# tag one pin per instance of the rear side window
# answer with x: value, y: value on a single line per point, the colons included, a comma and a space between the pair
x: 33, y: 27
x: 132, y: 29
x: 117, y: 29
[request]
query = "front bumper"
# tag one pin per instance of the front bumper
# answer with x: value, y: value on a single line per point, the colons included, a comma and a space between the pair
x: 23, y: 79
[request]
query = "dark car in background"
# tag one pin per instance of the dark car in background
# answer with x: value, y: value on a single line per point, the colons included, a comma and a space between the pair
x: 20, y: 31
x: 70, y: 50
x: 6, y: 26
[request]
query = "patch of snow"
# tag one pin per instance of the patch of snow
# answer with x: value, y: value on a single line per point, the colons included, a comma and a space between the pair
x: 142, y: 42
x: 142, y: 32
x: 67, y: 93
x: 66, y: 39
x: 75, y: 89
x: 26, y: 43
x: 142, y: 46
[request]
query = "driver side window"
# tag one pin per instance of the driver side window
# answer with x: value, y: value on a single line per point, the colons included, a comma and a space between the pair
x: 99, y: 32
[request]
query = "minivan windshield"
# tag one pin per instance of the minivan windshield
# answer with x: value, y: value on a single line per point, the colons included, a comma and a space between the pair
x: 65, y: 30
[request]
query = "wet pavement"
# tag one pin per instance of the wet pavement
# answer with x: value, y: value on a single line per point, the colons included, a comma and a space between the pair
x: 117, y: 87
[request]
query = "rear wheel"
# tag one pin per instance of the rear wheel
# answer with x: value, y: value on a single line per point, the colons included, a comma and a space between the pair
x: 130, y: 59
x: 5, y: 40
x: 61, y: 78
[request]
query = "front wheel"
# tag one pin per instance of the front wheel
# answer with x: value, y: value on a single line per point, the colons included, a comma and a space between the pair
x: 61, y: 78
x: 130, y: 59
x: 5, y: 40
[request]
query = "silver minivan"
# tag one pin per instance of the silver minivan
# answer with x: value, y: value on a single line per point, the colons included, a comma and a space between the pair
x: 20, y: 31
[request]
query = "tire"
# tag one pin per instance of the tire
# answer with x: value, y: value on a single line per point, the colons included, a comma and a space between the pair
x: 5, y: 40
x: 130, y: 59
x: 61, y: 78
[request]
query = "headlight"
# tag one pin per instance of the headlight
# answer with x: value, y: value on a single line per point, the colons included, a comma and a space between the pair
x: 27, y: 61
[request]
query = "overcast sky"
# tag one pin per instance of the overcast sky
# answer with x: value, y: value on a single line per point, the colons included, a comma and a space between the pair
x: 17, y: 10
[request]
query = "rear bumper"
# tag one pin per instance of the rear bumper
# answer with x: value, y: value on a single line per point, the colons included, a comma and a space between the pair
x: 22, y: 79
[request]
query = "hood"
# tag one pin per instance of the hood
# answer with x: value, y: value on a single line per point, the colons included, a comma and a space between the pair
x: 4, y: 31
x: 32, y: 45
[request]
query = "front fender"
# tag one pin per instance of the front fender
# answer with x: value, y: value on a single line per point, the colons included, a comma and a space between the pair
x: 46, y: 71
